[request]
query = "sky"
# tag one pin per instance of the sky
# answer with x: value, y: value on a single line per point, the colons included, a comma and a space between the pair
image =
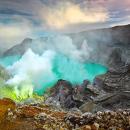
x: 34, y: 18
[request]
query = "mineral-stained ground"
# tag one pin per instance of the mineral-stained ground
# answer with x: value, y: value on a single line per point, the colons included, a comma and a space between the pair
x: 39, y: 116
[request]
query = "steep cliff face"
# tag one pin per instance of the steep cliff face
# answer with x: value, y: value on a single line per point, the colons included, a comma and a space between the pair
x: 116, y: 35
x: 115, y: 83
x: 104, y: 41
x: 19, y: 49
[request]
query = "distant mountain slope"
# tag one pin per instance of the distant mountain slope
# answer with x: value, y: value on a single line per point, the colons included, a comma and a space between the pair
x: 20, y: 48
x: 114, y: 35
x: 37, y: 46
x: 104, y: 41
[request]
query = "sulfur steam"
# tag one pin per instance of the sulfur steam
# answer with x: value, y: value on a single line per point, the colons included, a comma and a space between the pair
x: 34, y: 73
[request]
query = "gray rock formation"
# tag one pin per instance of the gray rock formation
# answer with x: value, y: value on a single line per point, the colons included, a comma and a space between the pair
x: 63, y: 93
x: 104, y: 41
x: 116, y: 85
x: 19, y: 49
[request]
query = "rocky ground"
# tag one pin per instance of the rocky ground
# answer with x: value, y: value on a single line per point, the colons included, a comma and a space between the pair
x: 43, y: 117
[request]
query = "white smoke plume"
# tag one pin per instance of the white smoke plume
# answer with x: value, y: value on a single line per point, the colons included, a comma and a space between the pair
x: 28, y: 70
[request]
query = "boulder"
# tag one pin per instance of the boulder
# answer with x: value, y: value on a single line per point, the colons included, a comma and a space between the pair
x: 5, y: 105
x: 67, y: 95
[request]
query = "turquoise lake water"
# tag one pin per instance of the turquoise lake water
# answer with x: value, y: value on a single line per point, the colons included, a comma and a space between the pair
x: 63, y: 68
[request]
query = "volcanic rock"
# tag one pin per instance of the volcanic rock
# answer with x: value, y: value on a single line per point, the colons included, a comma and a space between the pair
x: 116, y: 86
x: 44, y: 117
x: 66, y: 95
x: 115, y: 58
x: 103, y: 41
x: 114, y: 80
x: 88, y: 107
x: 19, y: 49
x: 5, y: 105
x: 63, y: 92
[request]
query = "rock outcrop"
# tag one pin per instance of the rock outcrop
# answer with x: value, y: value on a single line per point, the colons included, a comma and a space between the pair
x: 103, y: 41
x: 63, y: 93
x: 19, y: 49
x: 68, y: 96
x: 115, y: 83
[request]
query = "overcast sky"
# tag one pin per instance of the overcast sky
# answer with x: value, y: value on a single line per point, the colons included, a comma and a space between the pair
x: 33, y: 18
